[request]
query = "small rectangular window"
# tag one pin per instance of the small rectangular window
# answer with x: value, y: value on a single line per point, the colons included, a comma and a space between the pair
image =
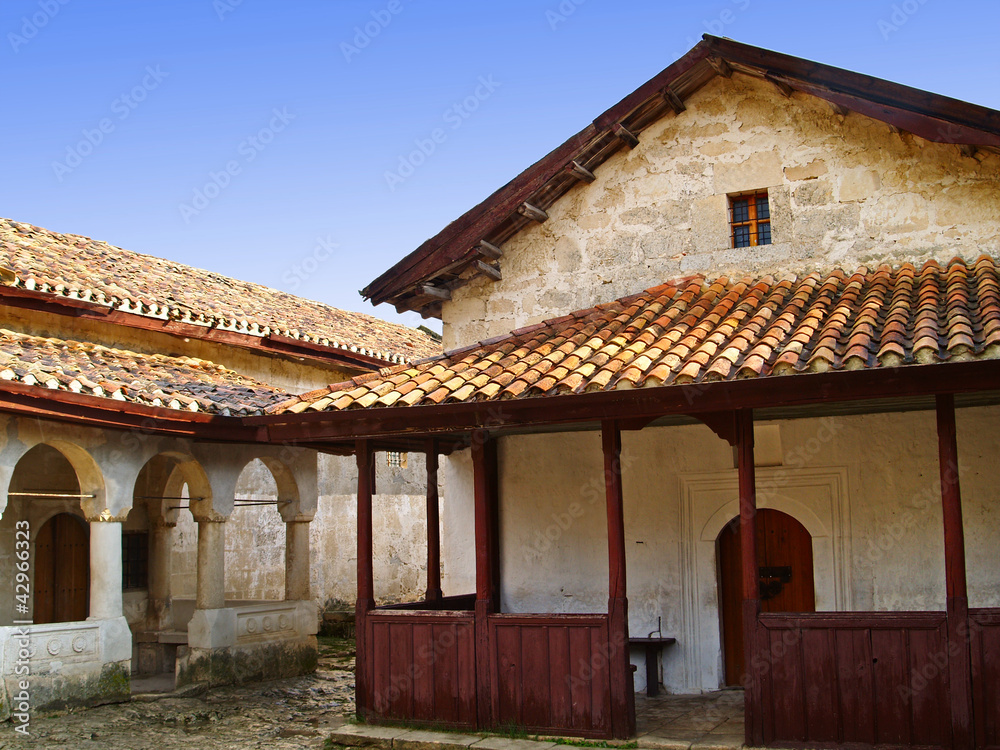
x: 395, y: 458
x: 135, y: 560
x: 750, y: 219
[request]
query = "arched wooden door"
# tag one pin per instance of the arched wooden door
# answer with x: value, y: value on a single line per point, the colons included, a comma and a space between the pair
x: 785, y: 560
x: 62, y: 570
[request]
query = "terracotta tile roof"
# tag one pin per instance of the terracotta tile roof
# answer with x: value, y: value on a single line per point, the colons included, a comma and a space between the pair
x: 85, y: 269
x: 148, y: 379
x: 698, y: 330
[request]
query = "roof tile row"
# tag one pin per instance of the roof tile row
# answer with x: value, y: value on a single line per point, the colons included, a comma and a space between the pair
x: 697, y: 330
x: 83, y: 269
x: 148, y: 379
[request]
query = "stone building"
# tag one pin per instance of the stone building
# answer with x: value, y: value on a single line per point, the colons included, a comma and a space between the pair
x: 145, y: 529
x: 786, y: 445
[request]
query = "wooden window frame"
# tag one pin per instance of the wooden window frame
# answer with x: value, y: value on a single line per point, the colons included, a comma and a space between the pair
x: 752, y: 222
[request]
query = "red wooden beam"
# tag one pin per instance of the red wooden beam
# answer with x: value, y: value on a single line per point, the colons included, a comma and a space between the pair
x: 366, y: 580
x: 100, y: 411
x: 750, y: 586
x: 433, y: 525
x: 486, y: 595
x: 697, y: 398
x: 622, y: 688
x: 960, y: 653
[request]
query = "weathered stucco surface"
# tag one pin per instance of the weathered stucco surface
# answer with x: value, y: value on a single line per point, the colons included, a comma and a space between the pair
x: 255, y: 537
x: 864, y: 486
x: 844, y: 191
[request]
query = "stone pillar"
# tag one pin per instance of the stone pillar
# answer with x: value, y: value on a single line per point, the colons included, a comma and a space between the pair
x: 105, y: 567
x: 160, y: 551
x: 211, y: 592
x: 297, y: 558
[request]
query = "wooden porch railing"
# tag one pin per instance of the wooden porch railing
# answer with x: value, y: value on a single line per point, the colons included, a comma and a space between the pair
x: 984, y: 632
x: 856, y: 678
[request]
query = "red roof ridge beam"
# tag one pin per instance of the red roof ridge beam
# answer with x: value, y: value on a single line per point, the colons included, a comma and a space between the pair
x: 271, y: 343
x: 931, y: 116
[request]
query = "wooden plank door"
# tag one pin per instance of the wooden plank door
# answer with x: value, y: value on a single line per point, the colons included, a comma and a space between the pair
x: 785, y: 560
x: 62, y: 570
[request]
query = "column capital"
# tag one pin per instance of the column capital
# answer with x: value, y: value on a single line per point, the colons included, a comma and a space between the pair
x: 105, y: 516
x: 209, y: 516
x: 159, y: 523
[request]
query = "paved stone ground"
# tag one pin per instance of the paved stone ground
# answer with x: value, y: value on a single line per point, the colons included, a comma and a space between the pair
x: 302, y: 712
x: 279, y: 715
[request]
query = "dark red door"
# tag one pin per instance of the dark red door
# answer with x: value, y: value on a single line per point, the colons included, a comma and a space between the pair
x: 785, y: 567
x: 62, y: 570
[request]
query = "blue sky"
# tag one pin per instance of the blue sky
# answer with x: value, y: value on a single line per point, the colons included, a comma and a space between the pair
x: 270, y: 141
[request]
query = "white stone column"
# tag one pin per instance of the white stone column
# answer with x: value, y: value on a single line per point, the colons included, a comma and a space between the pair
x: 105, y: 567
x: 211, y: 590
x: 297, y: 559
x: 160, y: 553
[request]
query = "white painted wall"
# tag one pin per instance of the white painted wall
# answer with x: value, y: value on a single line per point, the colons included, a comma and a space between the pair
x: 864, y: 486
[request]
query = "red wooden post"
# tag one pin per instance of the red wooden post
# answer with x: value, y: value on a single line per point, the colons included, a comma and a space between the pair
x: 622, y: 692
x: 484, y: 481
x: 960, y: 656
x: 750, y: 584
x: 366, y: 578
x: 433, y: 525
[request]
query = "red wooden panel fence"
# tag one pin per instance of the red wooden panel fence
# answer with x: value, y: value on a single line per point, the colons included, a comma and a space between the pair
x: 422, y: 667
x: 984, y: 629
x: 866, y: 678
x: 550, y: 673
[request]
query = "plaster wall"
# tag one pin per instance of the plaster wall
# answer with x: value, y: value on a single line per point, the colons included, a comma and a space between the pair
x: 255, y: 537
x: 844, y: 191
x: 865, y: 487
x: 255, y: 549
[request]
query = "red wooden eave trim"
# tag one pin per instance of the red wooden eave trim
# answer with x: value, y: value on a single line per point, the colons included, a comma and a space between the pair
x: 456, y: 239
x: 697, y: 398
x: 98, y: 411
x: 27, y: 299
x: 932, y: 116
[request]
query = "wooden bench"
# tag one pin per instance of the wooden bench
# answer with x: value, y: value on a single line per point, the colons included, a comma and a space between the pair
x: 652, y: 647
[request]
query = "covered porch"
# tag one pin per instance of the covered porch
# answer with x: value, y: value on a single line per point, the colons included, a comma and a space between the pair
x: 886, y: 676
x: 880, y: 647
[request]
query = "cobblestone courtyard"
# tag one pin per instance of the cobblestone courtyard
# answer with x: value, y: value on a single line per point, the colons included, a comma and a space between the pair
x: 278, y: 715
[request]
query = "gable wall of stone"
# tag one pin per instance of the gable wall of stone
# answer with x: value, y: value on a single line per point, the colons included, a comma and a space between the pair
x: 844, y: 191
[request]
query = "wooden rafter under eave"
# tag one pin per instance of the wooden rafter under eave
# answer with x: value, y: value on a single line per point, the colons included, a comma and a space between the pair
x: 931, y: 116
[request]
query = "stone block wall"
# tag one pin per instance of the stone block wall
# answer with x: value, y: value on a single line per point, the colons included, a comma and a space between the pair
x: 844, y: 191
